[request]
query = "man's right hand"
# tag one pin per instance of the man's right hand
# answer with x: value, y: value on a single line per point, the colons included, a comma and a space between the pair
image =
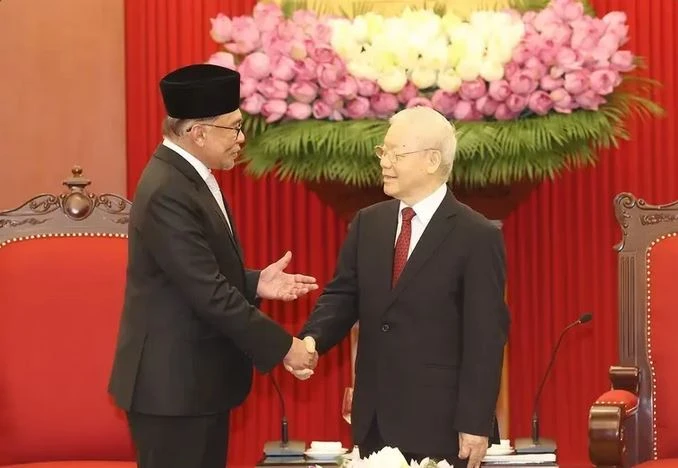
x: 302, y: 358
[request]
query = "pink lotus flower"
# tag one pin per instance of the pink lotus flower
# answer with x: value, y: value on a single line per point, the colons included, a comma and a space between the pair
x: 329, y: 74
x: 568, y: 60
x: 604, y: 81
x: 472, y: 90
x: 504, y: 113
x: 576, y: 82
x: 321, y: 53
x: 516, y: 103
x: 331, y: 98
x: 347, y: 87
x: 245, y: 36
x: 408, y: 93
x: 419, y: 101
x: 523, y: 83
x: 248, y: 86
x: 540, y: 103
x: 521, y: 54
x: 271, y: 88
x: 486, y: 105
x: 589, y: 100
x: 535, y: 68
x: 567, y: 9
x: 444, y: 102
x: 223, y: 59
x: 562, y: 101
x: 499, y: 90
x: 222, y: 28
x: 557, y: 32
x: 384, y: 104
x: 511, y: 69
x: 256, y: 66
x: 283, y: 68
x: 622, y: 61
x: 274, y: 110
x: 464, y: 110
x: 357, y: 108
x: 267, y: 16
x: 367, y: 88
x: 545, y: 19
x: 306, y: 70
x: 299, y: 111
x: 321, y: 110
x: 548, y: 83
x: 252, y: 104
x: 304, y: 91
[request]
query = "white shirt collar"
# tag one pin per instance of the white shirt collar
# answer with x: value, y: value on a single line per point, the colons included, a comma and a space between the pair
x: 426, y: 208
x: 195, y: 162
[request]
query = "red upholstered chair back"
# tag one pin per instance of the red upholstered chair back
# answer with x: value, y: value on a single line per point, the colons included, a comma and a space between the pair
x: 648, y: 325
x: 62, y: 272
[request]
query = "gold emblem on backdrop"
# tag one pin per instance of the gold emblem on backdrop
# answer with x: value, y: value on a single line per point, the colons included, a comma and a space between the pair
x: 393, y: 7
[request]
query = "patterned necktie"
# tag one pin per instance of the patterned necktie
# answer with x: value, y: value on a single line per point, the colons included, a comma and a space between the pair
x: 213, y: 185
x: 402, y: 245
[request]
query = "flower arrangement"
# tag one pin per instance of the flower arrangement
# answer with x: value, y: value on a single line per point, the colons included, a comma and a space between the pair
x: 390, y: 457
x: 531, y: 91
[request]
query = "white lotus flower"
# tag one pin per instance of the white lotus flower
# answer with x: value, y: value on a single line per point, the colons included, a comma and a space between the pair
x: 393, y: 80
x: 424, y: 77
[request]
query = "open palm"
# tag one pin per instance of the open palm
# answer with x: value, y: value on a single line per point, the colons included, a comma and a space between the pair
x: 274, y: 283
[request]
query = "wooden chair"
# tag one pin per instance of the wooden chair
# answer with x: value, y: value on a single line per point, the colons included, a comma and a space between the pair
x: 62, y: 275
x: 636, y: 422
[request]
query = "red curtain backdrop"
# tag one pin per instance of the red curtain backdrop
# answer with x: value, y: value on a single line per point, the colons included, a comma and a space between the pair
x: 559, y: 242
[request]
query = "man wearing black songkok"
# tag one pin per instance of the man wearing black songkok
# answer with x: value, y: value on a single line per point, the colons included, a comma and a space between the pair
x: 190, y: 330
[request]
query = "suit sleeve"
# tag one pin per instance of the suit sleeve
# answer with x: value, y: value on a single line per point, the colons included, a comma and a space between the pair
x: 251, y: 283
x: 337, y: 308
x: 173, y: 232
x: 485, y: 330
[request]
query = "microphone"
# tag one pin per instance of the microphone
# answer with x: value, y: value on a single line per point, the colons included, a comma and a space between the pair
x: 283, y: 447
x: 535, y: 444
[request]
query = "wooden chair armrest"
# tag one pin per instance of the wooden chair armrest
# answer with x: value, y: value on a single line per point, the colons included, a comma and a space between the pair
x: 610, y: 414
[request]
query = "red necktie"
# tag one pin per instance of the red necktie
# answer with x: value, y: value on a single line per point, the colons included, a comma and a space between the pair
x: 402, y: 245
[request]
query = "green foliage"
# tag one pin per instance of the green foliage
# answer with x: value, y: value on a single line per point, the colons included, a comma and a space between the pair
x: 488, y: 152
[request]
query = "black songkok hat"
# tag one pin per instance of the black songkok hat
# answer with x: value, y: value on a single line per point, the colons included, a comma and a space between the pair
x: 200, y: 91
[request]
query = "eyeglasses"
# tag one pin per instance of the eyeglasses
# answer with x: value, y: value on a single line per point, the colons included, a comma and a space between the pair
x: 380, y: 152
x: 237, y: 128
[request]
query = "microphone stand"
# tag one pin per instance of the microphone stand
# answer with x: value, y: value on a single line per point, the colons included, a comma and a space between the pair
x: 283, y: 447
x: 536, y: 444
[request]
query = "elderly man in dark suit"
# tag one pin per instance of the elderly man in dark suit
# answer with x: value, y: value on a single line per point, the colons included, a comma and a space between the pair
x: 424, y: 274
x: 190, y: 330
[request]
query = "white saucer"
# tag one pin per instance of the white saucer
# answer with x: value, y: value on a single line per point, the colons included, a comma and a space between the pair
x: 499, y: 450
x: 323, y: 455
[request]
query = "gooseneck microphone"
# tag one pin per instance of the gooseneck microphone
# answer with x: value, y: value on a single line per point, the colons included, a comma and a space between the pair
x: 535, y: 444
x: 283, y: 447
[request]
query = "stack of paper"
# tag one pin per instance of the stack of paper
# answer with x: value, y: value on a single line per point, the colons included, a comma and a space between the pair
x: 521, y: 459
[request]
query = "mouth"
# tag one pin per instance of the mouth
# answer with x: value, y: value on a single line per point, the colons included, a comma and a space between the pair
x: 387, y: 177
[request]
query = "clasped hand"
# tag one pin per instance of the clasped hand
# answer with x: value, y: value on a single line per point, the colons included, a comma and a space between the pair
x: 302, y: 358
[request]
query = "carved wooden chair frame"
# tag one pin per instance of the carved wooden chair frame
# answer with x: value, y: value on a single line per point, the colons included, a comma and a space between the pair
x: 623, y: 432
x: 75, y: 212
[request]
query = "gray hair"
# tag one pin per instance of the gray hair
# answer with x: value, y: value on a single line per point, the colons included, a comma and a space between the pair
x: 439, y: 132
x: 172, y: 127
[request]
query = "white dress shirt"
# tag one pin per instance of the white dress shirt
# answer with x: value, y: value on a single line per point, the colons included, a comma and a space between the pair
x: 204, y: 172
x: 424, y: 211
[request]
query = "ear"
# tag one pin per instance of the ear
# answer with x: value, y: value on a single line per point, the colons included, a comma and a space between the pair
x: 435, y: 159
x: 197, y: 134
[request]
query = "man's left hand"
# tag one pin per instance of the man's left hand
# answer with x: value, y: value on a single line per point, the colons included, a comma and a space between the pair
x: 472, y: 447
x: 274, y: 283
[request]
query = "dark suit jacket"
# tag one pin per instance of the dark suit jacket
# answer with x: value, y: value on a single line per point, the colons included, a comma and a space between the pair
x: 189, y: 331
x: 429, y: 351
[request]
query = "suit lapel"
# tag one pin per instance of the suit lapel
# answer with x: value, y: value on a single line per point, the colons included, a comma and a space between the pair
x: 381, y: 250
x: 440, y: 225
x: 166, y: 154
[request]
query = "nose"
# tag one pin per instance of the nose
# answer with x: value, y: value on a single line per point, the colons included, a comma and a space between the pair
x: 241, y: 137
x: 385, y: 162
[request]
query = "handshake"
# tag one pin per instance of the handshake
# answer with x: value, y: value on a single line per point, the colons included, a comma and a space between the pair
x: 302, y: 358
